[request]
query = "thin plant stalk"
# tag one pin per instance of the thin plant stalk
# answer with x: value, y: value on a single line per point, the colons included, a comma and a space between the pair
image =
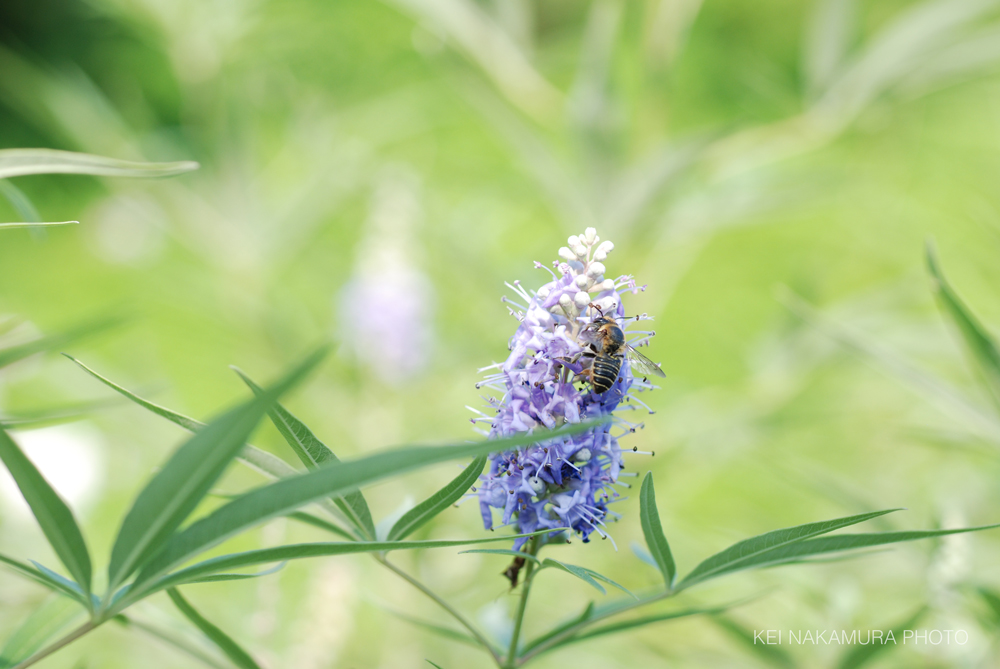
x: 88, y: 626
x: 533, y: 547
x: 444, y: 605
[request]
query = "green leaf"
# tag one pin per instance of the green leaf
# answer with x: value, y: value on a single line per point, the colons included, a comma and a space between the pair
x: 255, y: 458
x: 52, y: 513
x: 503, y: 551
x: 214, y: 578
x: 46, y: 224
x: 559, y: 629
x: 588, y: 576
x: 285, y: 495
x: 54, y: 615
x: 640, y: 622
x: 175, y: 491
x: 772, y: 655
x: 22, y: 205
x: 436, y: 666
x: 446, y: 632
x: 322, y: 524
x: 172, y: 639
x: 437, y: 502
x: 313, y: 453
x: 233, y: 651
x: 980, y: 344
x: 298, y: 552
x: 744, y: 554
x: 653, y: 531
x: 862, y: 654
x: 14, y: 353
x: 992, y: 600
x: 844, y: 542
x: 56, y: 584
x: 21, y: 162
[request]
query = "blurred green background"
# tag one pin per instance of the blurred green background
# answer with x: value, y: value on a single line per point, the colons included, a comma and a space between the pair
x: 373, y: 172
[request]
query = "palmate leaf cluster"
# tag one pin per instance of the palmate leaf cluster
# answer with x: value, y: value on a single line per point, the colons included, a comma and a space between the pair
x: 154, y: 550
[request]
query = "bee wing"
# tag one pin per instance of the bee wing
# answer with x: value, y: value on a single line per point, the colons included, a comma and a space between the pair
x: 641, y: 364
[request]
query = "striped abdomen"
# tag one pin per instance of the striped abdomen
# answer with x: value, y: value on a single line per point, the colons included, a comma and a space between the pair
x: 605, y: 372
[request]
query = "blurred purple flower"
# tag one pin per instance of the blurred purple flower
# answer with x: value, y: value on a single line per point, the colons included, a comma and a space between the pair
x: 567, y: 482
x: 388, y: 302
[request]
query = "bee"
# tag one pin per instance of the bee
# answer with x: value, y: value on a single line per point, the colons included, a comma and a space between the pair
x: 606, y: 348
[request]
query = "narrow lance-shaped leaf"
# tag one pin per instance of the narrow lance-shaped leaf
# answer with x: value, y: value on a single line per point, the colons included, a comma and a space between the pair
x: 741, y: 554
x: 298, y: 552
x: 771, y: 655
x: 503, y: 551
x: 233, y: 650
x: 588, y: 576
x: 313, y: 453
x: 862, y: 654
x: 653, y: 531
x: 21, y: 162
x: 447, y: 632
x: 844, y: 542
x: 14, y: 353
x: 175, y: 491
x: 22, y: 205
x: 52, y: 513
x: 438, y: 502
x: 259, y: 460
x: 72, y: 591
x: 286, y: 495
x: 47, y: 224
x: 980, y: 344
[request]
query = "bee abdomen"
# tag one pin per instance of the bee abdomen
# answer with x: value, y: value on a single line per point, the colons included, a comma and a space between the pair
x: 606, y: 370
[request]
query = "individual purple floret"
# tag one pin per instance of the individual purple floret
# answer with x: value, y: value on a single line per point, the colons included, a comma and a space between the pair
x: 566, y: 482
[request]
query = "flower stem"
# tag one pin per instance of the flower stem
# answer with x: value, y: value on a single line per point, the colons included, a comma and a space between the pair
x: 444, y: 605
x: 88, y: 626
x: 522, y: 605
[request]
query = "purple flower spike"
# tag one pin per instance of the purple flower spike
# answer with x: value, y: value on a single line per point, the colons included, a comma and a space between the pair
x: 566, y: 482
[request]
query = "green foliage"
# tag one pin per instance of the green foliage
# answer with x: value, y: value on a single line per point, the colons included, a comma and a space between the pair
x: 765, y: 548
x: 187, y: 477
x: 980, y: 344
x: 313, y: 453
x: 653, y: 531
x: 51, y: 512
x: 862, y: 655
x: 54, y: 615
x: 588, y: 576
x: 233, y: 650
x: 413, y: 519
x: 51, y: 342
x: 21, y: 162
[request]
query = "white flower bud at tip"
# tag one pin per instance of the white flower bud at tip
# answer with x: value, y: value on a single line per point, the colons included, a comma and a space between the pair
x: 573, y: 241
x: 583, y: 455
x: 583, y: 282
x: 580, y: 250
x: 566, y: 254
x: 591, y: 235
x: 536, y: 484
x: 608, y: 284
x: 600, y: 255
x: 581, y: 300
x: 595, y: 270
x: 606, y: 248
